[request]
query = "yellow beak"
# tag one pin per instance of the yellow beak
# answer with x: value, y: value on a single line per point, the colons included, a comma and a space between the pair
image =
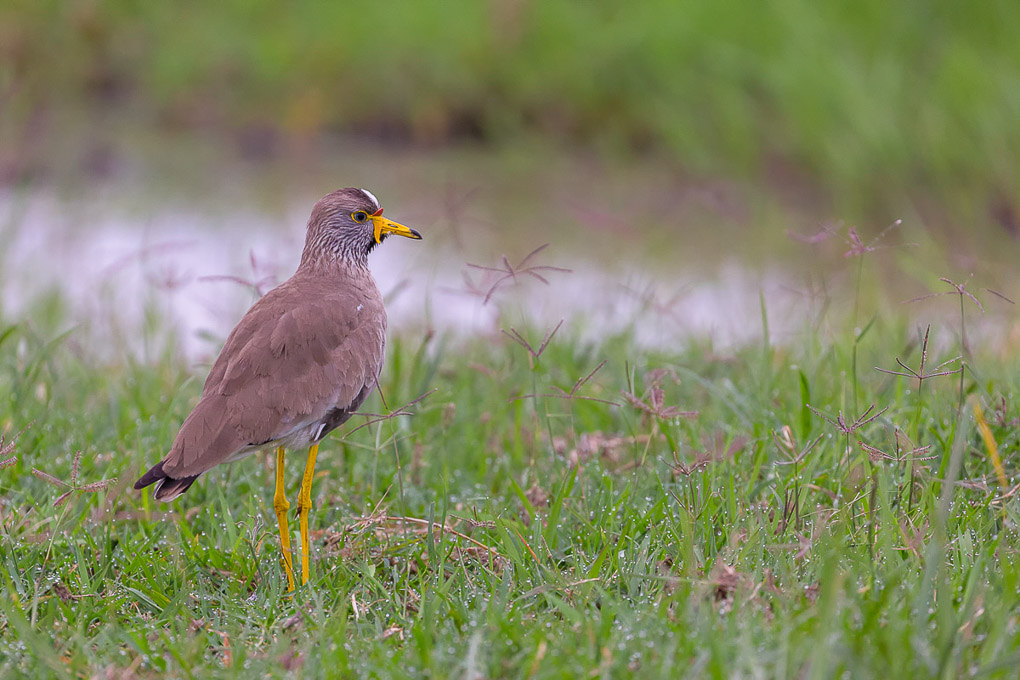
x: 385, y: 226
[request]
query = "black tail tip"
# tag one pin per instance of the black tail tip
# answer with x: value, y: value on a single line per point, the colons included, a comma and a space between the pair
x: 167, y: 488
x: 154, y: 474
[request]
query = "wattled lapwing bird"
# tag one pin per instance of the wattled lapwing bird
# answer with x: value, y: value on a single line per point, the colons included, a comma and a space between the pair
x: 296, y: 366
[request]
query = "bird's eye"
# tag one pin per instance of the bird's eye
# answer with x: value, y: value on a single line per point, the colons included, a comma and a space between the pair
x: 359, y: 216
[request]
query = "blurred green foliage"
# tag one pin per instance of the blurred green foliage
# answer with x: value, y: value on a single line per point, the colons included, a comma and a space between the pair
x: 870, y: 100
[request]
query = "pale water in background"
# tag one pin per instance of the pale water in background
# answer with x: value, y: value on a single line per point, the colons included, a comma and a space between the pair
x: 194, y: 266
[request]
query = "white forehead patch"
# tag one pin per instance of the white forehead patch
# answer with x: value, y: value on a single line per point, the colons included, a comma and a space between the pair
x: 371, y: 197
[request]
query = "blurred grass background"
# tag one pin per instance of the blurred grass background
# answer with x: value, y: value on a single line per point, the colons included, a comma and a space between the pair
x: 663, y: 149
x: 861, y: 109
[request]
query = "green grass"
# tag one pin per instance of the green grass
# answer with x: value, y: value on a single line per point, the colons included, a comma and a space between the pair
x: 869, y: 107
x: 552, y: 537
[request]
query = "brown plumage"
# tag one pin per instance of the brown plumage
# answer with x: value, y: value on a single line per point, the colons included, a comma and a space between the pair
x: 301, y: 360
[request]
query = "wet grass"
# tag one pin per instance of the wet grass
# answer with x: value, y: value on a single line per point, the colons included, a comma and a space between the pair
x: 552, y: 508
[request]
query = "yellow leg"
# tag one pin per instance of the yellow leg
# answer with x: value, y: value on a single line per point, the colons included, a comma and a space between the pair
x: 281, y: 506
x: 304, y: 506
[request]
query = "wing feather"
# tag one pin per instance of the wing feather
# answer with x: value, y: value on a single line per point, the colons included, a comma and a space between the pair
x: 293, y: 359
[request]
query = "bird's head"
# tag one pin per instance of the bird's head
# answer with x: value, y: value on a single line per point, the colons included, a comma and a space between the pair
x: 347, y: 224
